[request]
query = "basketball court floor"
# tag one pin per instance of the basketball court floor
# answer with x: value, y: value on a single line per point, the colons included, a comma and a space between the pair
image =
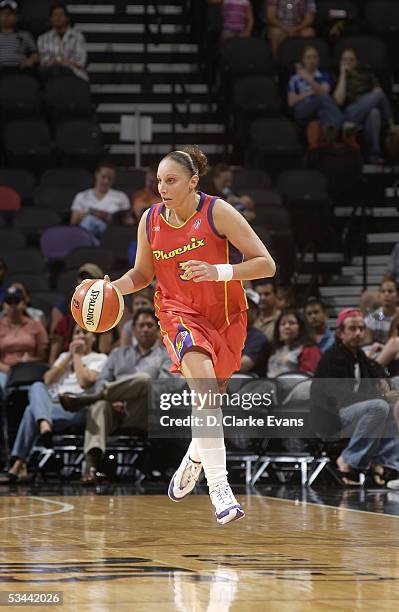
x: 124, y: 548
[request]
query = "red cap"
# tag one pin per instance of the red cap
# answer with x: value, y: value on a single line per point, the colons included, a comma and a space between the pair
x: 348, y: 312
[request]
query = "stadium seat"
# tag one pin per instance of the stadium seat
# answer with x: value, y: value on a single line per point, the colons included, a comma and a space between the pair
x: 101, y: 256
x: 19, y: 179
x: 67, y: 177
x: 68, y: 95
x: 371, y: 50
x: 19, y: 95
x: 29, y: 261
x: 382, y: 16
x: 11, y: 239
x: 79, y: 140
x: 27, y: 142
x: 118, y: 239
x: 325, y: 8
x: 10, y: 200
x: 249, y: 178
x: 34, y: 220
x: 291, y: 50
x: 33, y: 282
x: 130, y: 180
x: 57, y: 198
x: 253, y: 96
x: 273, y: 143
x: 242, y: 56
x: 273, y: 218
x: 45, y: 300
x: 306, y: 196
x: 265, y: 197
x: 34, y: 16
x: 58, y: 241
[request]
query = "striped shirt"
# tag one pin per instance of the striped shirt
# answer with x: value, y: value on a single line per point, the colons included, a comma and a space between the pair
x: 235, y: 15
x: 70, y: 46
x: 15, y: 47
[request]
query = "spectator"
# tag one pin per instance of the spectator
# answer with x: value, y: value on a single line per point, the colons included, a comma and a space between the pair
x: 364, y: 103
x: 293, y: 347
x: 221, y: 181
x: 62, y: 49
x: 141, y: 299
x: 17, y: 48
x: 309, y: 96
x: 285, y: 297
x: 122, y: 389
x: 361, y: 402
x: 238, y: 19
x: 316, y: 317
x: 148, y: 195
x: 74, y: 371
x: 389, y: 355
x: 62, y: 308
x: 34, y: 313
x: 21, y: 338
x: 95, y: 208
x: 256, y: 349
x: 369, y: 301
x: 268, y: 309
x: 378, y: 322
x: 287, y: 19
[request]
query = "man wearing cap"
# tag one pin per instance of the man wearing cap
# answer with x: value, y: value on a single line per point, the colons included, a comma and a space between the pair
x: 256, y: 350
x: 17, y: 48
x: 358, y: 404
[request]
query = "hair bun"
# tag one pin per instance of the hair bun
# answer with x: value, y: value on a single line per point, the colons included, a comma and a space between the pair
x: 199, y: 158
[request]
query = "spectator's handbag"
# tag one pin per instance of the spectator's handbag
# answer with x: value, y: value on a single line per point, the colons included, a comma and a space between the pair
x: 26, y: 373
x: 392, y: 142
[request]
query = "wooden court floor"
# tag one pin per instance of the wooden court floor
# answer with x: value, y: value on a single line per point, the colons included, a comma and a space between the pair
x: 147, y: 554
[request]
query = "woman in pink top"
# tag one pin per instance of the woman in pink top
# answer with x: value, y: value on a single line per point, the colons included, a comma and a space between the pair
x: 21, y: 338
x: 238, y: 18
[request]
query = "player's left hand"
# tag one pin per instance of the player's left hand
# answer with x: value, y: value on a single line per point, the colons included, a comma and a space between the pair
x: 199, y: 271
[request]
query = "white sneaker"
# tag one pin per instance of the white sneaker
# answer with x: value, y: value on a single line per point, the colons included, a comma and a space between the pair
x: 227, y: 507
x: 393, y: 484
x: 184, y: 479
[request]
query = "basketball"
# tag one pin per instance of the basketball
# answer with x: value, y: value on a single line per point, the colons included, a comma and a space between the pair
x: 97, y: 306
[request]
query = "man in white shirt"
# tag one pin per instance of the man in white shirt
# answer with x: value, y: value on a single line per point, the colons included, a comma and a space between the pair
x: 62, y: 49
x: 94, y: 208
x: 73, y: 372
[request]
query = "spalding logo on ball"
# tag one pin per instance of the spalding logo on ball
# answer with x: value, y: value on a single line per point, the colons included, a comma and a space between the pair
x: 97, y: 306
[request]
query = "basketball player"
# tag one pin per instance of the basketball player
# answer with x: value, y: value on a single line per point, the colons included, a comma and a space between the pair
x: 200, y: 249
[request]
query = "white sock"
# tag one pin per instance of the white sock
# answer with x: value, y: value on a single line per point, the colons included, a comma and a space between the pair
x: 212, y: 451
x: 193, y: 451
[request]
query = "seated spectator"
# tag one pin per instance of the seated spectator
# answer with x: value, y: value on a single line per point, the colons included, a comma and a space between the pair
x: 141, y: 299
x: 316, y: 317
x: 121, y: 398
x: 221, y: 181
x: 74, y: 372
x: 388, y: 356
x: 34, y: 313
x: 287, y: 19
x: 256, y: 349
x: 293, y: 350
x: 62, y: 49
x: 148, y: 195
x: 369, y: 301
x: 378, y: 322
x: 364, y: 103
x: 309, y: 96
x: 21, y: 338
x: 237, y: 19
x: 95, y: 208
x: 360, y: 405
x: 62, y: 308
x: 17, y: 48
x: 268, y: 309
x: 285, y: 297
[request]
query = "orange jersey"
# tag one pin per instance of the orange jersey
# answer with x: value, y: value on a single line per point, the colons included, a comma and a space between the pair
x: 197, y: 238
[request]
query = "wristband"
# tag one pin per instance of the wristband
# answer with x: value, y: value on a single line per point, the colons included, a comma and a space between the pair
x: 225, y: 272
